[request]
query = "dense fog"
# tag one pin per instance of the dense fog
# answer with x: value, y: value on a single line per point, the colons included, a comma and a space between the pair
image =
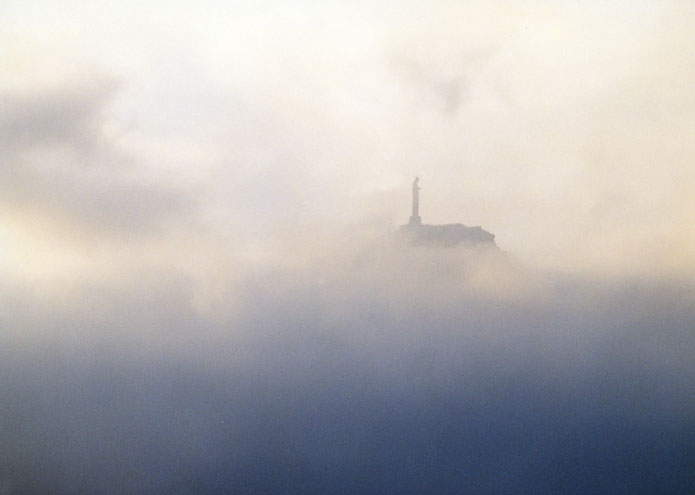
x: 383, y: 368
x: 202, y: 285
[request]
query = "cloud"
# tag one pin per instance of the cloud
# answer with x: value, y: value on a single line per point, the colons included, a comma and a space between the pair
x: 200, y: 294
x: 377, y: 369
x: 63, y: 161
x: 284, y: 117
x: 67, y: 116
x: 441, y: 74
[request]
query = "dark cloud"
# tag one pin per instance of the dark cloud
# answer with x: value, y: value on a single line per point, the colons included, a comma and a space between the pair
x: 443, y: 80
x: 66, y: 116
x: 365, y: 375
x: 61, y: 163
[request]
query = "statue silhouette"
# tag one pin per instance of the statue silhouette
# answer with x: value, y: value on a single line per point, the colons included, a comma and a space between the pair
x: 415, y: 217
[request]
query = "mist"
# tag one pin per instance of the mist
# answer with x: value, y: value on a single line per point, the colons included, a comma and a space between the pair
x: 389, y: 369
x: 203, y: 288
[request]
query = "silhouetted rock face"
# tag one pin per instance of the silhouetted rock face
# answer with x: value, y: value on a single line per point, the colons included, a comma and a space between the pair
x: 452, y: 234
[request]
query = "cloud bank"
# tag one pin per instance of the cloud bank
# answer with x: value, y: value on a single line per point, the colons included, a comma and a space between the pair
x: 387, y: 370
x: 201, y: 290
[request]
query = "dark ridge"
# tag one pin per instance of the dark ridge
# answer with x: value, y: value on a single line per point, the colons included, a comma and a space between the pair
x: 451, y: 234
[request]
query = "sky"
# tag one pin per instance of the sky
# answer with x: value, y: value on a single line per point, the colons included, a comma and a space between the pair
x: 559, y: 126
x: 201, y: 292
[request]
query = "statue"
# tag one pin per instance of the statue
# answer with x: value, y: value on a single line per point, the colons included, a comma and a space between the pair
x: 415, y: 217
x: 451, y: 234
